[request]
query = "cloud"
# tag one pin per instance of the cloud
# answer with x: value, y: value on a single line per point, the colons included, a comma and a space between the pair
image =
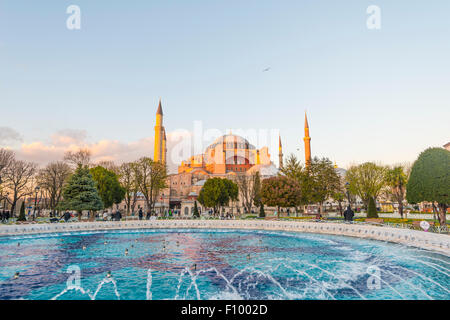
x: 8, y: 135
x: 69, y: 136
x: 102, y: 150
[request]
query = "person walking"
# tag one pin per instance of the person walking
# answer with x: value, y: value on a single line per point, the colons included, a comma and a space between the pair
x: 141, y: 214
x: 148, y: 215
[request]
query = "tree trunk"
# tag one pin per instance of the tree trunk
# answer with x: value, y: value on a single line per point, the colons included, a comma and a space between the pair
x: 443, y: 214
x: 340, y: 208
x: 400, y: 208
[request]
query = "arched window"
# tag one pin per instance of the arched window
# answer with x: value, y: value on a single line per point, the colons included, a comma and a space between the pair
x: 186, y: 211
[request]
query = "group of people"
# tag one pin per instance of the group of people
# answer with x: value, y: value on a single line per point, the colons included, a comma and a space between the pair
x: 141, y: 214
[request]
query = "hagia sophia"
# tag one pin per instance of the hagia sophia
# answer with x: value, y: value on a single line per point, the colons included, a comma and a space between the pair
x: 226, y: 157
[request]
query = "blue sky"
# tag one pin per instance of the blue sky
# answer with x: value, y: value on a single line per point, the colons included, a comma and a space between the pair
x: 381, y: 95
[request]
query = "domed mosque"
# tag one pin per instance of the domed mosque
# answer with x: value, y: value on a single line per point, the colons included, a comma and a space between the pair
x: 228, y: 156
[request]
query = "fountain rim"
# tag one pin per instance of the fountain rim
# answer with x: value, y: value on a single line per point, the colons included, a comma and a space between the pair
x: 439, y: 243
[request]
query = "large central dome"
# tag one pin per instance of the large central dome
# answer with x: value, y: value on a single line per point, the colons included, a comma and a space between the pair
x: 231, y: 142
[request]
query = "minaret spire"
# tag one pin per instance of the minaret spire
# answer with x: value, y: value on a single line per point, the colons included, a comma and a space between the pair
x: 307, y: 141
x: 280, y: 153
x: 160, y: 140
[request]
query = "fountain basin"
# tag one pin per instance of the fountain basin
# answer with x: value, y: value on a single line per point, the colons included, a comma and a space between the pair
x: 217, y: 263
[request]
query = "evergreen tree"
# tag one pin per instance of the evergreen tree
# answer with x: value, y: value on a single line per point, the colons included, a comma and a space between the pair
x: 22, y: 212
x: 262, y: 214
x: 108, y: 186
x: 196, y: 213
x: 430, y: 180
x: 80, y: 192
x: 372, y: 210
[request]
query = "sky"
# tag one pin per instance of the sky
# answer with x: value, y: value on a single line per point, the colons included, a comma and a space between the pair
x: 256, y: 65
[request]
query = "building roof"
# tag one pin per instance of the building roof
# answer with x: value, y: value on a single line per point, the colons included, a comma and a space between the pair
x: 265, y: 170
x: 200, y: 183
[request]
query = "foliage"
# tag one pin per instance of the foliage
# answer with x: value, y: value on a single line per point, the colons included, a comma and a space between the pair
x: 196, y: 213
x: 320, y: 181
x: 366, y: 180
x: 151, y: 178
x: 430, y: 180
x: 128, y: 181
x: 248, y: 185
x: 108, y: 186
x: 372, y: 209
x: 51, y: 179
x: 80, y: 192
x: 396, y: 179
x: 262, y: 213
x: 22, y: 212
x: 18, y: 178
x: 217, y: 192
x: 280, y: 191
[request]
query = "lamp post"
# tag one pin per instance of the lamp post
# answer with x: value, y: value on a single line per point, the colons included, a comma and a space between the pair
x: 162, y: 204
x: 347, y: 187
x: 36, y: 190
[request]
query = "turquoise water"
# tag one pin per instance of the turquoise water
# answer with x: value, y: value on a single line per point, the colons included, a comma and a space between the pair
x: 216, y: 264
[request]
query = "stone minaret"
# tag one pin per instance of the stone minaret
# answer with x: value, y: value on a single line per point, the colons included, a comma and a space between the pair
x: 307, y: 141
x: 280, y: 153
x: 160, y: 135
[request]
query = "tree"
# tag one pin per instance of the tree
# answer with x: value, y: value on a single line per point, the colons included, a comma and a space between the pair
x: 320, y: 181
x: 396, y: 180
x: 246, y: 184
x: 280, y: 192
x: 262, y: 214
x: 18, y: 179
x: 108, y: 186
x: 366, y: 180
x: 6, y: 157
x: 82, y: 157
x: 80, y: 193
x: 293, y: 168
x: 128, y: 181
x: 430, y: 180
x: 22, y: 212
x: 151, y: 178
x: 217, y: 192
x: 51, y: 179
x: 196, y: 213
x: 372, y: 209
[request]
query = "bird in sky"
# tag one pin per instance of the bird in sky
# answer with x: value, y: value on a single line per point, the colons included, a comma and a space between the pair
x: 266, y: 69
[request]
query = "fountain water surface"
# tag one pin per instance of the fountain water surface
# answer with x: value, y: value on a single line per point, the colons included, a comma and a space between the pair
x: 216, y: 264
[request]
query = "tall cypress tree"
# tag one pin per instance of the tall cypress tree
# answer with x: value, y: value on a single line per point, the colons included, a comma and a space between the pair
x: 22, y: 212
x: 372, y: 209
x: 196, y: 213
x: 80, y: 192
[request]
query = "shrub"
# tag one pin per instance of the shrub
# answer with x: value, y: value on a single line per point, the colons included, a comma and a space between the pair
x: 372, y: 209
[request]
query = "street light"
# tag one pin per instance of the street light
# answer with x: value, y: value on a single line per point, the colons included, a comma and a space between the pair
x: 36, y: 190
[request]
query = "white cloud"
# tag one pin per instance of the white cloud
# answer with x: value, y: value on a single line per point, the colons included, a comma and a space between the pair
x: 102, y: 150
